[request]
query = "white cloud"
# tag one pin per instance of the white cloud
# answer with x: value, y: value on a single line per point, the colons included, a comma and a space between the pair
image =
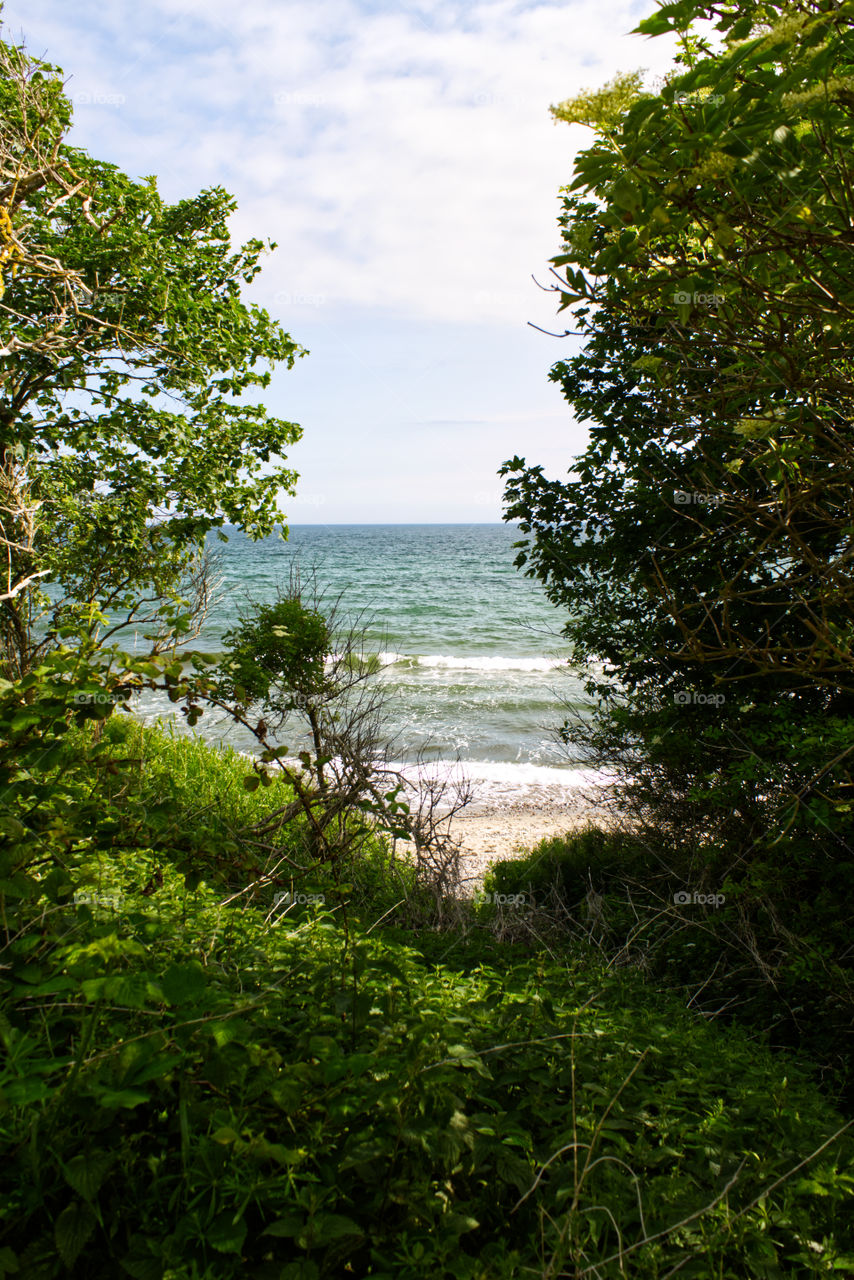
x: 402, y: 159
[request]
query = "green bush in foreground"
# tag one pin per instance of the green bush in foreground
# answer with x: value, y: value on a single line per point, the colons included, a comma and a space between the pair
x: 198, y: 1087
x: 768, y: 947
x: 198, y: 1094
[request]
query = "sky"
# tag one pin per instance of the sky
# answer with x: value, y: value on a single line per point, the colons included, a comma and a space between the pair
x: 404, y: 160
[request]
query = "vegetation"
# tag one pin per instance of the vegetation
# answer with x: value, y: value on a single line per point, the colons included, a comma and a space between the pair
x: 208, y: 1083
x: 244, y: 1032
x: 125, y: 357
x: 703, y: 543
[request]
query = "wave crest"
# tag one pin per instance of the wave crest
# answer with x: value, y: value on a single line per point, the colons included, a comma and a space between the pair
x: 470, y: 662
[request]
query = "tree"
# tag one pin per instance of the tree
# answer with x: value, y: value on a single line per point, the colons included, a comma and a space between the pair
x: 706, y: 534
x: 278, y: 656
x: 125, y: 358
x: 702, y: 544
x: 296, y: 666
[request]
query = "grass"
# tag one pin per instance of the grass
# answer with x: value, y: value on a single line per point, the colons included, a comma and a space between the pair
x: 201, y: 778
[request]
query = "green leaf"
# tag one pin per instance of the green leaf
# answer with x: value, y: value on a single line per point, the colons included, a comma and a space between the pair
x: 458, y: 1223
x: 125, y: 1099
x: 325, y: 1227
x: 85, y: 1173
x: 225, y: 1235
x: 72, y: 1229
x: 226, y: 1031
x: 657, y: 25
x: 289, y: 1225
x: 8, y: 1262
x: 183, y: 984
x: 142, y: 1266
x: 225, y: 1135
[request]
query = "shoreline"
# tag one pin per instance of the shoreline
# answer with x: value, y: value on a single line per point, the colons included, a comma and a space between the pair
x: 497, y: 833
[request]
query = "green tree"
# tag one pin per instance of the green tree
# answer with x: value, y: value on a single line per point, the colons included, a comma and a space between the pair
x: 702, y: 544
x: 126, y: 359
x: 706, y: 533
x: 709, y: 264
x: 278, y: 657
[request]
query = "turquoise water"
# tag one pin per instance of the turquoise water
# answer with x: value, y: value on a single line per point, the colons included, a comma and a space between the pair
x: 474, y: 664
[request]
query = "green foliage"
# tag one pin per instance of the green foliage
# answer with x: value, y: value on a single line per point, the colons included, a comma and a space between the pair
x: 308, y: 675
x: 603, y: 108
x: 190, y: 774
x: 277, y: 655
x: 222, y: 1097
x: 569, y: 864
x: 191, y: 787
x: 702, y: 529
x: 678, y: 913
x: 209, y: 1085
x: 701, y: 545
x: 126, y: 356
x: 202, y: 1078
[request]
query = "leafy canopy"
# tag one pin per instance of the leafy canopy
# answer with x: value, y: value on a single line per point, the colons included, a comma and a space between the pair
x: 702, y: 544
x: 128, y: 363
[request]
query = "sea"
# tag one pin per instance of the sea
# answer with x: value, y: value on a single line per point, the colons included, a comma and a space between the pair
x: 474, y: 667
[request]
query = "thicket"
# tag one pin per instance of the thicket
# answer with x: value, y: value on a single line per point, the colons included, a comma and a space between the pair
x: 702, y: 544
x: 202, y: 1082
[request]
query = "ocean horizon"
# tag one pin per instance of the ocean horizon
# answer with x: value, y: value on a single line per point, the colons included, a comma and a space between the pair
x: 471, y: 656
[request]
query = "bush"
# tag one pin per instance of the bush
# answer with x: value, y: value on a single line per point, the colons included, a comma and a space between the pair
x: 761, y: 948
x: 567, y: 865
x: 209, y: 1095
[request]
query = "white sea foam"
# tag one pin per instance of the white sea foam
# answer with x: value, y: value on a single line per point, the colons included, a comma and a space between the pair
x: 501, y: 784
x: 471, y: 662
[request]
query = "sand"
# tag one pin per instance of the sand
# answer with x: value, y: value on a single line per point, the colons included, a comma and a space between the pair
x: 506, y: 820
x: 490, y: 835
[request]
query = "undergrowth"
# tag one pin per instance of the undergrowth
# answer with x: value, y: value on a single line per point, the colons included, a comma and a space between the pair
x: 200, y: 1082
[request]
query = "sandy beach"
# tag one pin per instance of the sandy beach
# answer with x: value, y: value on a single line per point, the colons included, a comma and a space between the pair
x: 495, y: 834
x: 512, y: 808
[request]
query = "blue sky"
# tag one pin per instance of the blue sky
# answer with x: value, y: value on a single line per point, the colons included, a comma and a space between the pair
x: 403, y: 157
